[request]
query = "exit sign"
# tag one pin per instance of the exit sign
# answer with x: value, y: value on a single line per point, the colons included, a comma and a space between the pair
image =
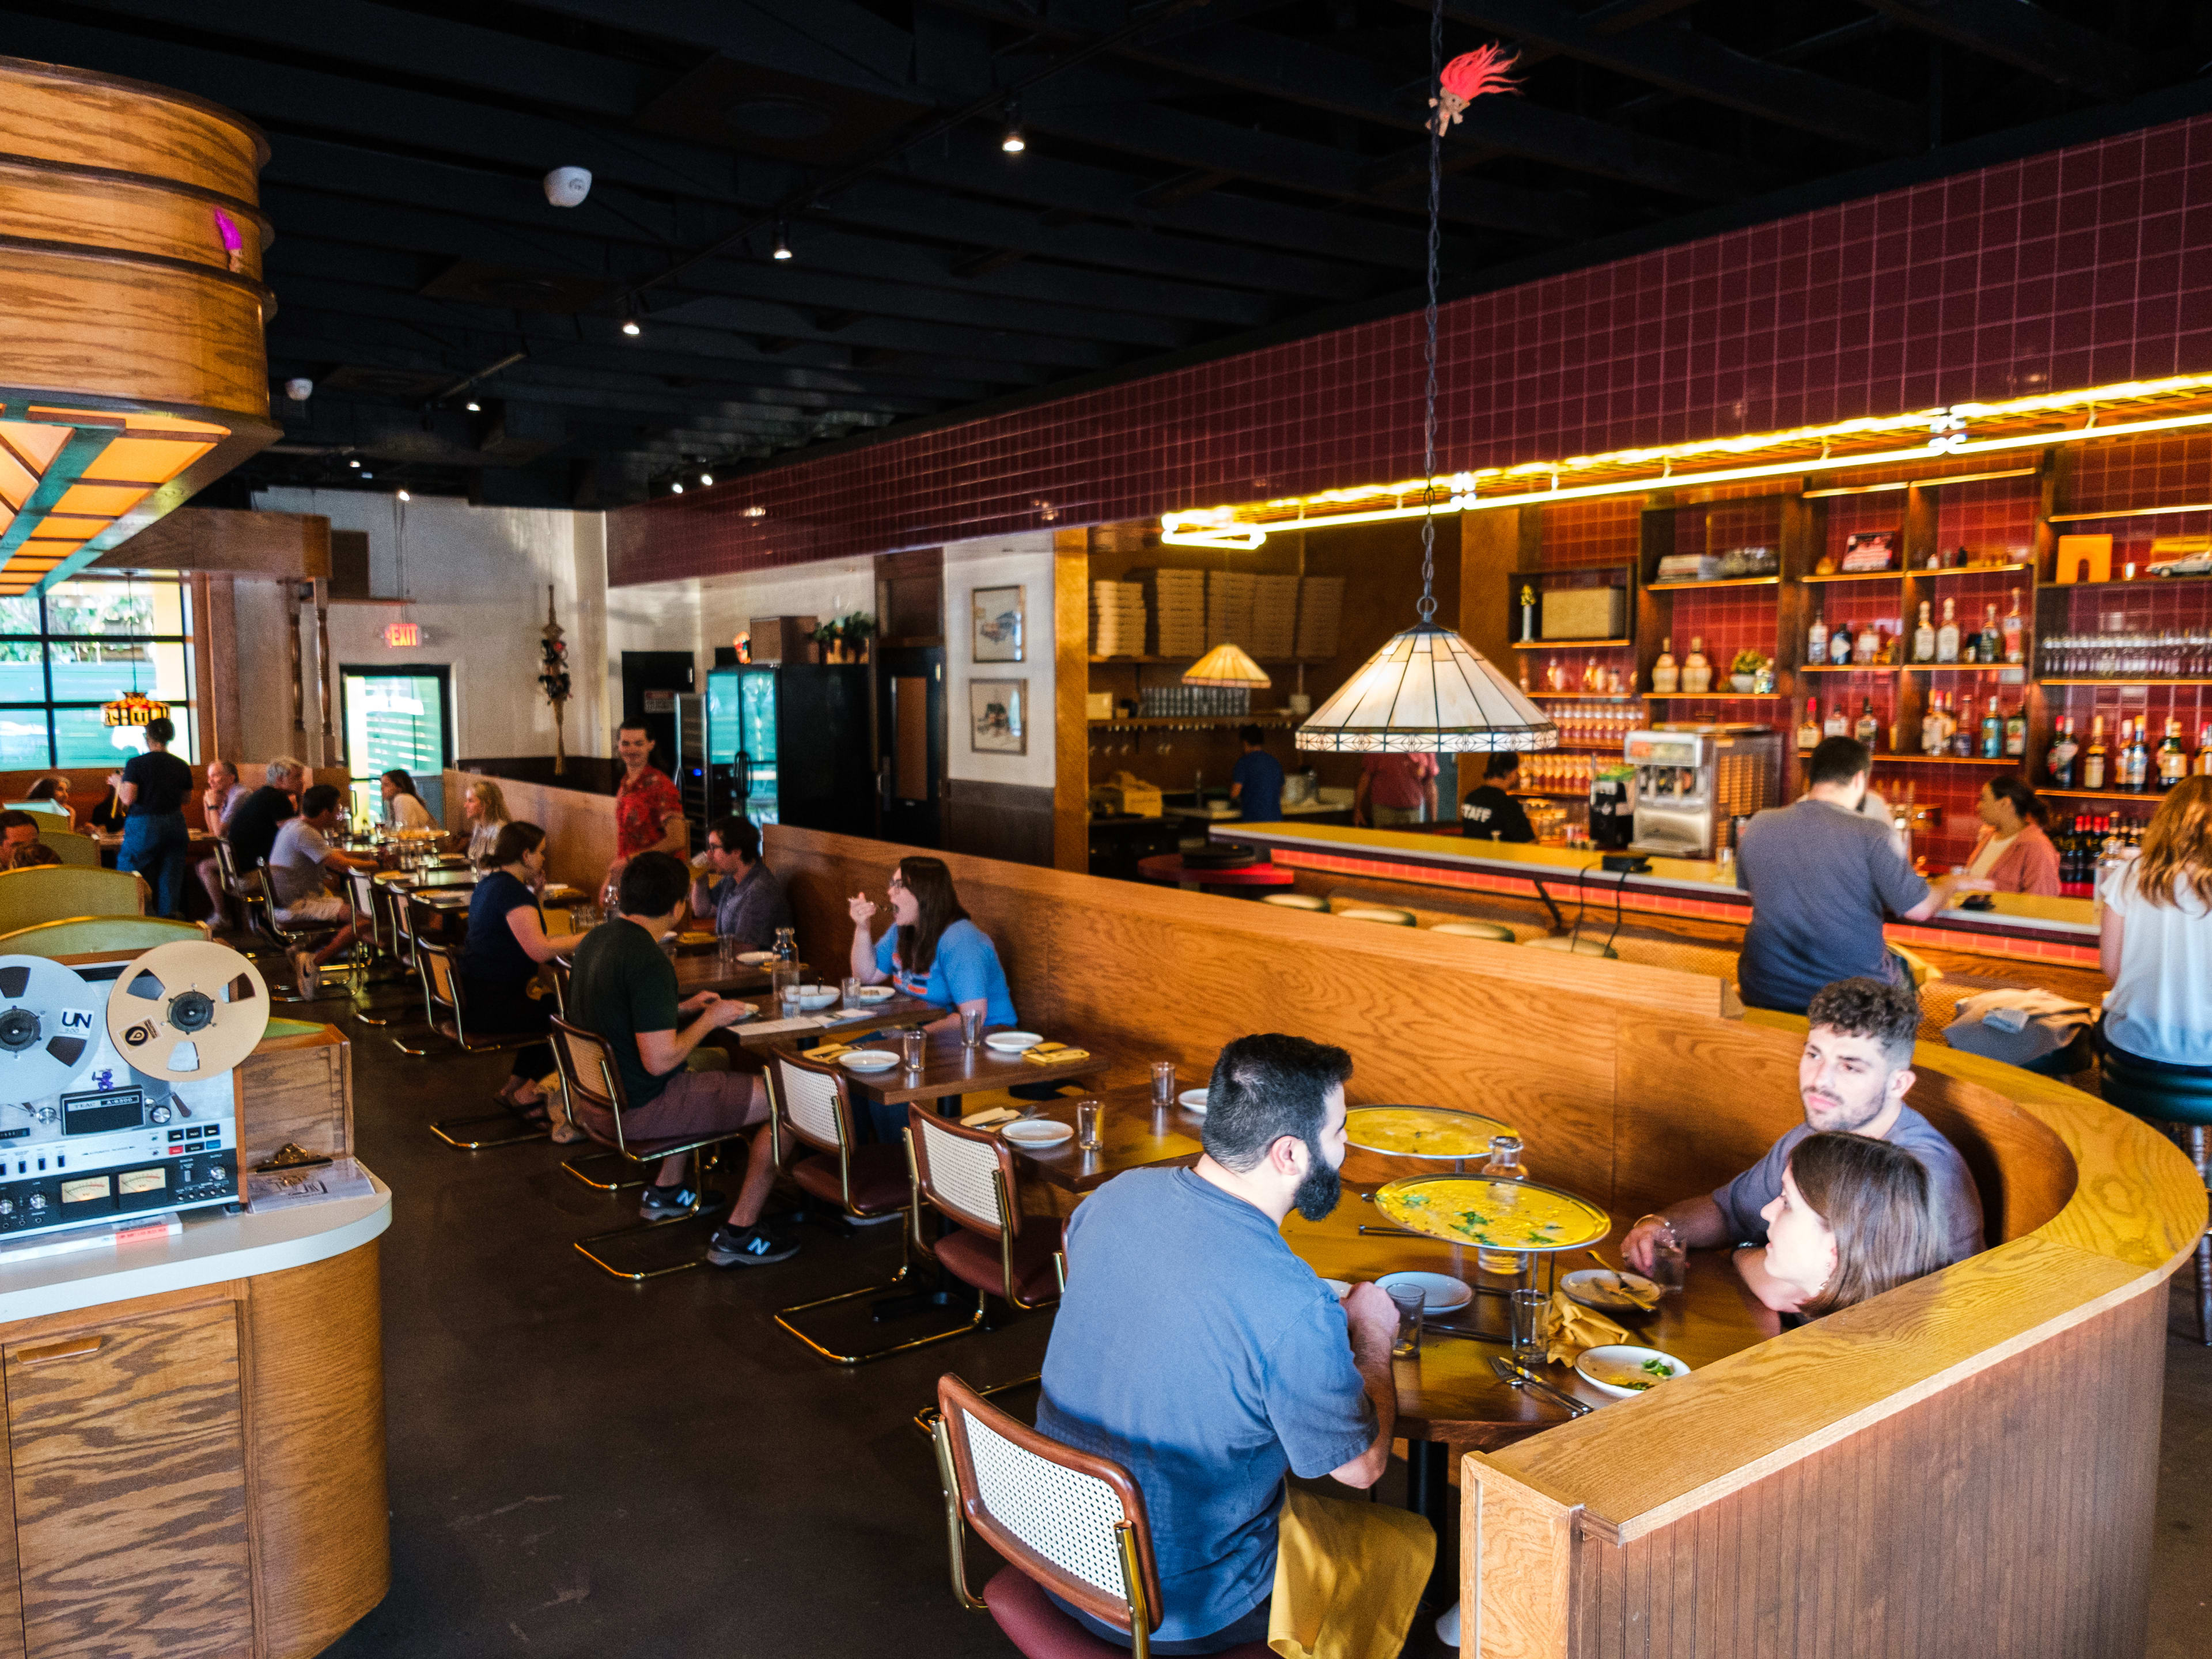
x: 403, y: 633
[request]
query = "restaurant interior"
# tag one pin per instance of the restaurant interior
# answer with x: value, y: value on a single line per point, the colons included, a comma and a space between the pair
x: 958, y: 829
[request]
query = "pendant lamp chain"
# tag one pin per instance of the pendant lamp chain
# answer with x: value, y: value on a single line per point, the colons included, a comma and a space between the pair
x: 1427, y: 608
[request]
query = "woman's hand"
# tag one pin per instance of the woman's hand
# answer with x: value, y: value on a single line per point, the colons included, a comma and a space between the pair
x: 861, y: 908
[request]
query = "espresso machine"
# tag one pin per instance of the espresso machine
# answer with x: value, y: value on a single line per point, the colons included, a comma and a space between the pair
x: 1691, y: 779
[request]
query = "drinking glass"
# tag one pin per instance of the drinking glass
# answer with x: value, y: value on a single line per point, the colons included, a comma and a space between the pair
x: 1528, y: 1309
x: 1163, y: 1082
x: 1670, y: 1262
x: 852, y: 992
x: 1086, y: 1124
x: 780, y: 978
x: 913, y: 1042
x: 786, y: 999
x: 971, y: 1027
x: 727, y: 952
x: 1409, y: 1301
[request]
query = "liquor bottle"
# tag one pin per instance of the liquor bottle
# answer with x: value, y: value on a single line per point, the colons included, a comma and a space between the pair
x: 1866, y: 649
x: 2017, y: 733
x: 1839, y: 724
x: 1840, y: 646
x: 1992, y: 636
x: 2093, y: 763
x: 2060, y: 761
x: 1869, y: 729
x: 1696, y: 671
x: 1932, y: 734
x: 1947, y: 636
x: 1808, y: 729
x: 2015, y: 633
x: 2172, y: 759
x: 1923, y: 637
x: 2204, y: 751
x: 1992, y: 731
x: 1816, y: 641
x: 2137, y: 777
x: 1666, y: 674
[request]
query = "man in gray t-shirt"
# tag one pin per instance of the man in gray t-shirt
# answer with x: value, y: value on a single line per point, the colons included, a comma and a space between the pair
x: 1852, y: 1078
x: 1820, y: 877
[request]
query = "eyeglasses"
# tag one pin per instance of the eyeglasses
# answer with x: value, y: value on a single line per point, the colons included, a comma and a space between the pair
x: 895, y: 882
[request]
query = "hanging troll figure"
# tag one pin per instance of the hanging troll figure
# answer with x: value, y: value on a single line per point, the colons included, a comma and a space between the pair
x: 1465, y: 78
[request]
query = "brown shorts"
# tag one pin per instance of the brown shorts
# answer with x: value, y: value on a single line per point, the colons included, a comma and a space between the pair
x: 693, y: 1104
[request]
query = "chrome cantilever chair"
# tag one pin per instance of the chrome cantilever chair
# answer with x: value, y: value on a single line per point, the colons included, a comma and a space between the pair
x: 1064, y: 1520
x: 374, y: 959
x: 445, y: 1000
x: 287, y: 934
x: 594, y: 1084
x: 813, y: 1104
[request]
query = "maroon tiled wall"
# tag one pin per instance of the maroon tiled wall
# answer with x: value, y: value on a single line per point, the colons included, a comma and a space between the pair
x: 2078, y: 268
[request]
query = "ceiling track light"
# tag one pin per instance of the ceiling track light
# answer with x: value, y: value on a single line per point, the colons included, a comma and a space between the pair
x: 405, y: 496
x: 782, y: 242
x: 676, y: 489
x: 706, y: 479
x: 1014, y: 142
x: 355, y: 465
x: 629, y: 325
x: 473, y: 407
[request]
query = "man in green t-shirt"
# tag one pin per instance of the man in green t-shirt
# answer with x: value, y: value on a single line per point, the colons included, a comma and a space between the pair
x: 622, y: 989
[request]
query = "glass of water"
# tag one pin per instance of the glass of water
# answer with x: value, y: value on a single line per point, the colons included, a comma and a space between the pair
x: 913, y: 1044
x: 1086, y: 1124
x: 1529, y: 1345
x: 1163, y: 1081
x: 971, y: 1027
x: 1410, y: 1302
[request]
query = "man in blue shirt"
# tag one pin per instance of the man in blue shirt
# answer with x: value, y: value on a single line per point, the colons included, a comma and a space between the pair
x: 1256, y: 783
x: 1192, y: 1348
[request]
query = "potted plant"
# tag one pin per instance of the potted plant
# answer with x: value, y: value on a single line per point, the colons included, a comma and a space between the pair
x: 1744, y: 672
x: 844, y: 639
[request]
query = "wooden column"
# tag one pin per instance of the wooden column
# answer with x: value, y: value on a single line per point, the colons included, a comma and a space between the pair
x: 1071, y: 669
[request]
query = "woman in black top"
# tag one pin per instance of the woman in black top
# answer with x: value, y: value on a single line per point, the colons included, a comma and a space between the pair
x: 152, y: 792
x: 505, y: 944
x: 1490, y: 812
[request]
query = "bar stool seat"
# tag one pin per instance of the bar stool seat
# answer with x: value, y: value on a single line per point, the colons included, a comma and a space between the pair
x: 1377, y: 914
x: 2170, y: 1100
x: 1295, y: 901
x: 1489, y: 930
x: 1580, y: 947
x: 976, y: 1261
x: 1036, y: 1626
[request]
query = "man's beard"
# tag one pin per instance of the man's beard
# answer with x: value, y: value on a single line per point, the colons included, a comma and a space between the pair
x: 1319, y: 1189
x: 1829, y: 1109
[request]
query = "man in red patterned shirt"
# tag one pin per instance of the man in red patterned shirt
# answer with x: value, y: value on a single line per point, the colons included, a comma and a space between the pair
x: 648, y: 813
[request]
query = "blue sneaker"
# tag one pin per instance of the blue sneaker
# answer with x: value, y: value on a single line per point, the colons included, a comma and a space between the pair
x: 661, y: 1203
x: 747, y: 1247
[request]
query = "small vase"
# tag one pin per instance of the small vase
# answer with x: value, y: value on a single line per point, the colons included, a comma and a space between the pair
x: 1743, y: 682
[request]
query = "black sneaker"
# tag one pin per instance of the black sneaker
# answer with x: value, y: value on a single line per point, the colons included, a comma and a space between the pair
x: 661, y: 1202
x: 747, y: 1247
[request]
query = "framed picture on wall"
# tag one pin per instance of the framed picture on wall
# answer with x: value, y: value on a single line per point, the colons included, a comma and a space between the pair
x: 998, y: 612
x: 998, y: 717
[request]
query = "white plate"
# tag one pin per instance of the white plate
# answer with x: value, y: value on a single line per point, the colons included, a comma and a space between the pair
x: 1440, y: 1292
x: 868, y: 1060
x: 1038, y: 1132
x: 875, y: 994
x: 814, y: 1002
x: 1339, y: 1288
x: 753, y: 958
x: 1617, y: 1369
x: 1011, y: 1042
x: 1593, y: 1287
x: 1192, y: 1100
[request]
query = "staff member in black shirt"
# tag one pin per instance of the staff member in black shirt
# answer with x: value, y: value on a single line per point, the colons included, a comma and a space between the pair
x: 1490, y: 812
x: 253, y: 827
x: 152, y: 792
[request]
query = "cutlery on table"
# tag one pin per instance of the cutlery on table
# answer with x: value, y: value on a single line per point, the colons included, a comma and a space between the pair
x: 1510, y: 1373
x: 1609, y: 1273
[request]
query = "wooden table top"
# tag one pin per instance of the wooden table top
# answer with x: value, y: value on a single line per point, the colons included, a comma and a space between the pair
x: 1449, y: 1392
x: 845, y: 1025
x: 949, y: 1069
x: 1132, y: 1134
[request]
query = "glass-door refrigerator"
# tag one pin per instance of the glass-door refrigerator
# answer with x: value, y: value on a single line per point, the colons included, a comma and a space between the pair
x: 787, y: 743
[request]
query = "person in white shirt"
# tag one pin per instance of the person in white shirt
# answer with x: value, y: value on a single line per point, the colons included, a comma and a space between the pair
x: 2156, y: 943
x: 300, y: 864
x: 403, y: 807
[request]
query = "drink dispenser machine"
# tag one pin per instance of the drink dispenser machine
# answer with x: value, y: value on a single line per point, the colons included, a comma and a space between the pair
x: 1691, y: 780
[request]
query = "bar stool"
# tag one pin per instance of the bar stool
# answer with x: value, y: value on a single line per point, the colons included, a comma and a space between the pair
x: 2174, y: 1102
x: 442, y: 989
x: 812, y: 1100
x: 1489, y: 930
x: 1064, y: 1520
x: 588, y: 1073
x: 1571, y: 946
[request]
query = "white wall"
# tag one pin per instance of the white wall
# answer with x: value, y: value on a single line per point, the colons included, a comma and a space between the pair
x: 1025, y: 562
x: 476, y: 579
x: 703, y: 613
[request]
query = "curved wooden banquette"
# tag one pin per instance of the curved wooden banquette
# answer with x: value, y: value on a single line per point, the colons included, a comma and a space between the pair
x: 1966, y: 1464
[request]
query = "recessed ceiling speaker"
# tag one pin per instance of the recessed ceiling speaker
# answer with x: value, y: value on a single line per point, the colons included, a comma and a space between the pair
x: 566, y: 187
x: 299, y: 388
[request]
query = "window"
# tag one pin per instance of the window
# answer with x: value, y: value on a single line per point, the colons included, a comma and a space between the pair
x: 84, y: 642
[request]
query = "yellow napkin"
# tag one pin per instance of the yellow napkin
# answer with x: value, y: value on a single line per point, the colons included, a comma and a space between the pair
x: 829, y: 1050
x: 1052, y: 1054
x: 990, y: 1118
x: 1569, y: 1329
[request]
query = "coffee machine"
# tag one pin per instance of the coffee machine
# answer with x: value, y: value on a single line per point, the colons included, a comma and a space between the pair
x: 1691, y: 779
x: 1613, y: 808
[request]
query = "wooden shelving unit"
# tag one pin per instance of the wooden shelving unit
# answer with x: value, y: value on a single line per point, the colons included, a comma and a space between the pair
x: 1570, y: 645
x: 1716, y: 581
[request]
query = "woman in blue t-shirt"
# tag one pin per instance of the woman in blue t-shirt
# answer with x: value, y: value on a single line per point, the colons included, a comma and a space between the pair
x: 931, y: 950
x: 507, y: 942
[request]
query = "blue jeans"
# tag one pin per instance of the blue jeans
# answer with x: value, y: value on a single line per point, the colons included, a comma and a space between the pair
x: 158, y: 847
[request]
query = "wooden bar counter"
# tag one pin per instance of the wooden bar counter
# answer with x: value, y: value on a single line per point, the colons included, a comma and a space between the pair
x: 1966, y: 1464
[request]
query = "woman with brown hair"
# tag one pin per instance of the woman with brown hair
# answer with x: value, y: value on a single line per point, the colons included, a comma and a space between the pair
x: 2013, y: 852
x: 1854, y: 1220
x: 507, y: 943
x: 2156, y: 946
x: 932, y: 950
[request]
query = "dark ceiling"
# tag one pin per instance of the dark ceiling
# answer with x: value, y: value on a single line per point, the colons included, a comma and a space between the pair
x: 1200, y: 175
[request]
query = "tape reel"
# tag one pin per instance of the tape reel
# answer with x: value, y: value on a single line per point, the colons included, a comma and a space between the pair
x: 188, y: 1011
x: 49, y: 1027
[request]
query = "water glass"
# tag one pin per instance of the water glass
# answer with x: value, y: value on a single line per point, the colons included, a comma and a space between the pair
x: 971, y: 1027
x: 1409, y: 1300
x: 851, y: 991
x: 782, y: 977
x: 1670, y: 1264
x: 1086, y: 1124
x: 913, y: 1044
x: 786, y: 999
x: 1163, y: 1082
x: 1528, y: 1309
x: 727, y: 952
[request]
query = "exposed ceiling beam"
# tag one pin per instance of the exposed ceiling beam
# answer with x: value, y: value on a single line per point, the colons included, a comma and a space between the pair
x: 2027, y: 37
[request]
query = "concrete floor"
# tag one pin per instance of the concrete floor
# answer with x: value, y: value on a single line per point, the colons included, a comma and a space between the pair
x: 581, y: 1466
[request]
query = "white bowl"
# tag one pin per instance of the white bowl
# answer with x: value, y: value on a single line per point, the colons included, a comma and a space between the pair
x: 1440, y: 1292
x: 1012, y: 1042
x: 753, y: 958
x: 875, y: 994
x: 1618, y: 1369
x: 1192, y: 1100
x: 868, y: 1060
x: 1037, y: 1132
x: 814, y: 1000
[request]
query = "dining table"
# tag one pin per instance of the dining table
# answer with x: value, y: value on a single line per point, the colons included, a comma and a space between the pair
x: 949, y: 1070
x: 1132, y: 1134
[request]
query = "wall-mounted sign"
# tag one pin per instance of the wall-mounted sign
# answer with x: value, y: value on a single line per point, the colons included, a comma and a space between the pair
x: 402, y: 635
x: 660, y: 703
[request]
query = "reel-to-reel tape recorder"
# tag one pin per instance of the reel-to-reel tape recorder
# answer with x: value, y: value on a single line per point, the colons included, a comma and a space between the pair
x: 117, y: 1084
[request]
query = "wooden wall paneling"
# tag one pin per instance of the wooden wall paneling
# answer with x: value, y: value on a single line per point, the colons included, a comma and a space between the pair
x: 1517, y: 1566
x: 1010, y: 821
x: 1491, y: 547
x: 322, y: 1530
x: 130, y: 1486
x: 1071, y: 669
x: 579, y: 827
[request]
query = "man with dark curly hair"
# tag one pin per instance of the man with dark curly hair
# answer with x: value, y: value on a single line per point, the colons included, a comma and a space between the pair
x: 1853, y: 1077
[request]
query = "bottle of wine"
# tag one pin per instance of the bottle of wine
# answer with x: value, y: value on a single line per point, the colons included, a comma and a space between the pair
x: 2060, y: 761
x: 1947, y: 636
x: 2093, y: 763
x: 1923, y: 637
x: 2137, y: 776
x: 1869, y: 729
x: 2016, y: 732
x: 2015, y: 632
x: 1992, y: 731
x: 1816, y: 641
x: 2173, y: 760
x: 1866, y: 650
x: 1808, y: 729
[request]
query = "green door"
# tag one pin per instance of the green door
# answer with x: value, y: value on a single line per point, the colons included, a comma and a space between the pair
x: 397, y: 718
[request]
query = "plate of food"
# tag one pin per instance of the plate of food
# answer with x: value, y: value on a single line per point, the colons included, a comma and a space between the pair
x: 868, y: 1060
x: 1037, y: 1132
x: 1192, y: 1100
x: 1440, y: 1292
x: 753, y: 958
x: 875, y: 994
x: 1493, y: 1212
x: 1012, y: 1042
x: 1421, y: 1131
x: 695, y: 939
x: 1615, y: 1292
x: 1624, y: 1371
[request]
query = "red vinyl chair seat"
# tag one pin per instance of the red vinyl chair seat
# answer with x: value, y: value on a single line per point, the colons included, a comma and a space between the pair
x: 974, y: 1259
x: 880, y: 1181
x: 1035, y: 1625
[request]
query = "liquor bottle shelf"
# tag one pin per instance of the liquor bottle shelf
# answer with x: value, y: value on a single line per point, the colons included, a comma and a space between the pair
x: 2146, y: 794
x: 1570, y: 645
x: 2011, y: 760
x: 1716, y: 696
x: 1854, y: 576
x: 1849, y: 668
x: 1715, y: 582
x: 2139, y: 679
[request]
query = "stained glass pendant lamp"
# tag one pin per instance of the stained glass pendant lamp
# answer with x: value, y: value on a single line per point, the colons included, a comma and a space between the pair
x: 1229, y: 665
x: 1427, y: 692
